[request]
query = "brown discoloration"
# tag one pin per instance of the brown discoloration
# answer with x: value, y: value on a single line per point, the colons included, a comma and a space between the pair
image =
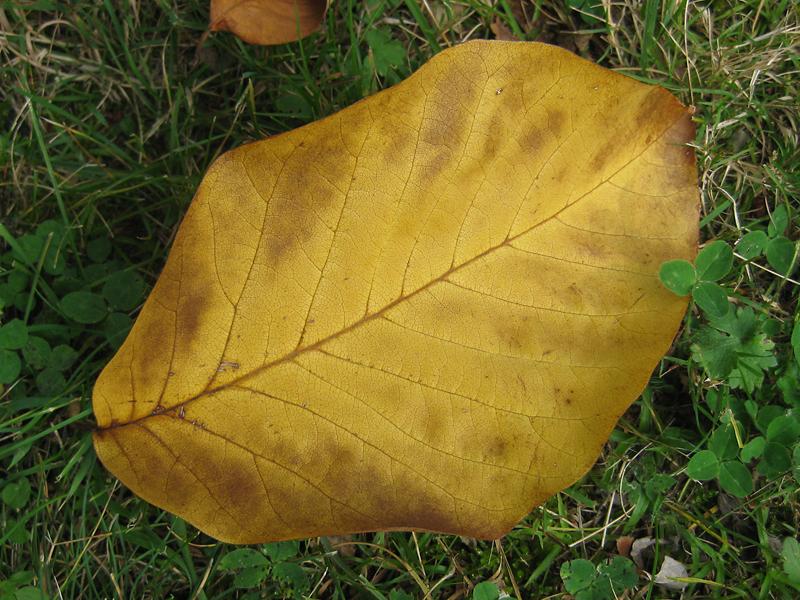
x: 497, y: 449
x: 594, y: 249
x: 556, y: 122
x: 314, y: 191
x: 678, y: 137
x: 660, y: 107
x: 276, y: 247
x: 492, y: 140
x: 657, y: 100
x: 144, y: 335
x: 397, y: 147
x: 436, y: 425
x: 431, y: 172
x: 190, y: 318
x: 512, y: 334
x: 421, y: 507
x: 447, y: 123
x: 240, y: 488
x: 533, y: 139
x: 563, y: 171
x: 601, y: 159
x: 427, y: 516
x: 342, y: 454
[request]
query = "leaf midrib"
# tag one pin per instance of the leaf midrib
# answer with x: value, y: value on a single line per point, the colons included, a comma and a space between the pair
x: 299, y: 351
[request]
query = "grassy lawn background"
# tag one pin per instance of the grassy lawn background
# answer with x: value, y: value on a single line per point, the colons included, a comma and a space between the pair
x: 112, y: 111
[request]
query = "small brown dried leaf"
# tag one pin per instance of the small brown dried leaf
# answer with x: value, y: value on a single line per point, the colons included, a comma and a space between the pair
x: 501, y: 31
x: 267, y: 22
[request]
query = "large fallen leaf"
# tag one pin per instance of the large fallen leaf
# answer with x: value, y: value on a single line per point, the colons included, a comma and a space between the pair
x: 267, y: 21
x: 426, y: 311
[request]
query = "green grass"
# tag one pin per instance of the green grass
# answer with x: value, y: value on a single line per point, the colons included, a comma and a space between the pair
x: 112, y: 113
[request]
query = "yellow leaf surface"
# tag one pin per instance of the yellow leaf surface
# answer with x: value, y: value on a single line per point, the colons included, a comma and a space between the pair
x: 267, y: 21
x: 426, y: 311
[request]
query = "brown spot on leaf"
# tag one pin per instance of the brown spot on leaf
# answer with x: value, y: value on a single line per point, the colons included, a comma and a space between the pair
x: 276, y: 247
x: 556, y: 121
x: 532, y: 139
x: 191, y: 311
x: 512, y: 334
x: 603, y: 156
x: 498, y: 449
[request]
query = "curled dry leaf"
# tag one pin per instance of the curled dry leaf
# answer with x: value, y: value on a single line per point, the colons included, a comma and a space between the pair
x: 431, y: 307
x: 501, y: 31
x: 670, y: 575
x: 267, y: 21
x: 624, y: 544
x: 638, y: 548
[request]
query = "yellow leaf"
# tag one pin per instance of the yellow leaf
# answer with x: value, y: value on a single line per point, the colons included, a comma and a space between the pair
x: 267, y: 21
x: 426, y: 311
